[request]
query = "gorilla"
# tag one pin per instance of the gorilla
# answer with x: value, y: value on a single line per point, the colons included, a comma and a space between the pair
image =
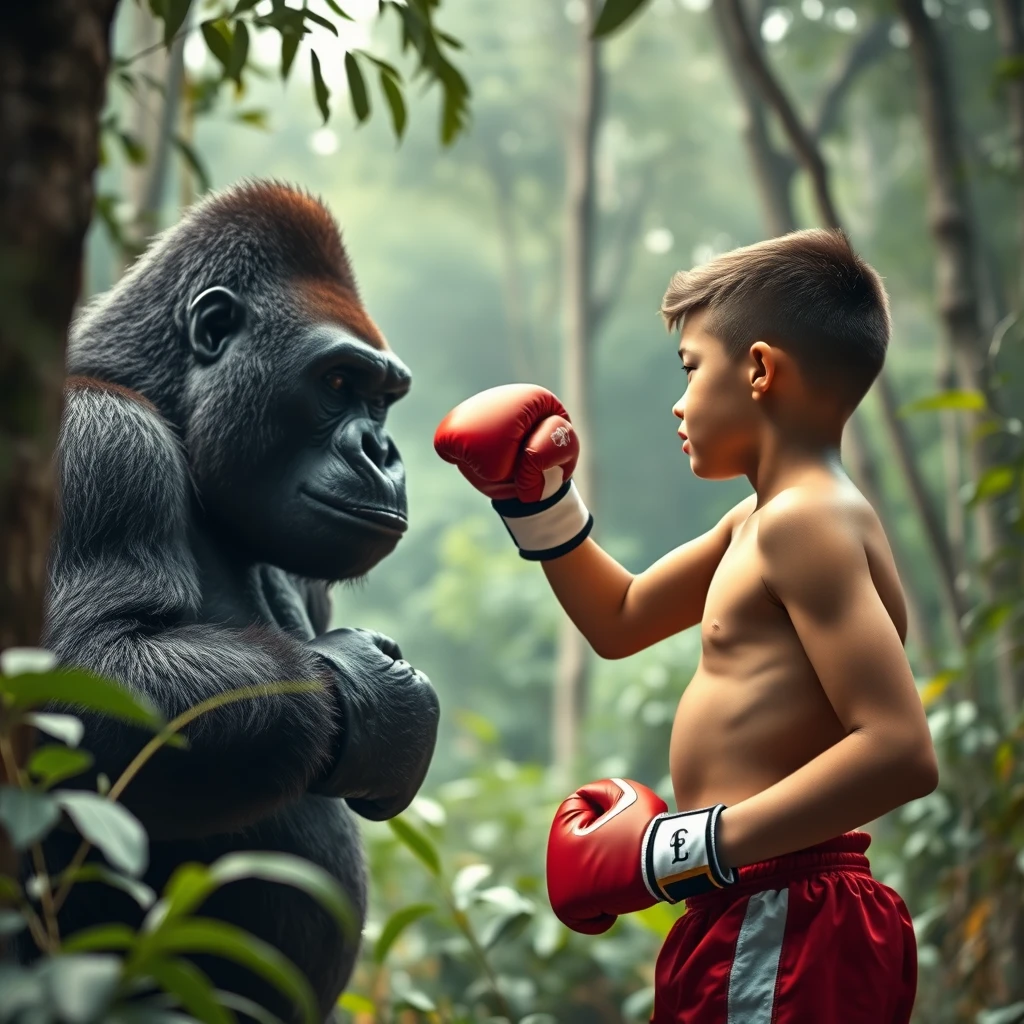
x: 223, y: 457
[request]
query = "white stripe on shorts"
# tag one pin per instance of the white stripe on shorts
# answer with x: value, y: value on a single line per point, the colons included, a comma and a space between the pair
x: 755, y: 963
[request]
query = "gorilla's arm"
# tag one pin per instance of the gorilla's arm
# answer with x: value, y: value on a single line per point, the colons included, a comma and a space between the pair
x: 123, y: 600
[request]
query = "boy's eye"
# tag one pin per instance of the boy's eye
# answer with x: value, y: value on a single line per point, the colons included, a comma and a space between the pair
x: 686, y: 369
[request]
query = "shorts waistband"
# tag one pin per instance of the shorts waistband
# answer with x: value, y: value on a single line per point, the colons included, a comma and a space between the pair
x: 843, y: 853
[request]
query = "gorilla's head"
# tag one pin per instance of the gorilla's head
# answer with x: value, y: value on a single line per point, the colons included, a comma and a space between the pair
x: 244, y: 327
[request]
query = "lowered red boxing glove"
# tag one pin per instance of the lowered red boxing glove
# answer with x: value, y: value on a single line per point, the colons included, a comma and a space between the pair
x: 515, y: 444
x: 614, y: 849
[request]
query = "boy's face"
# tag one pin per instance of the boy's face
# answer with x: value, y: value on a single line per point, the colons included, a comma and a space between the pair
x: 719, y: 425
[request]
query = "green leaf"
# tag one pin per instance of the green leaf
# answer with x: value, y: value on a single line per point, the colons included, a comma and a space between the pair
x: 357, y: 88
x: 51, y: 764
x: 253, y: 118
x: 319, y: 19
x: 191, y: 987
x: 82, y: 986
x: 27, y: 816
x: 139, y: 891
x: 192, y: 159
x: 102, y: 936
x: 242, y: 6
x: 16, y: 661
x: 353, y: 1003
x: 205, y: 935
x: 217, y: 34
x: 396, y: 103
x: 408, y: 996
x: 338, y: 11
x: 320, y: 90
x: 174, y: 17
x: 66, y: 728
x: 111, y: 828
x: 239, y: 53
x: 994, y: 481
x: 81, y: 689
x: 289, y: 47
x: 969, y: 401
x: 418, y: 843
x: 465, y: 882
x: 11, y: 922
x: 395, y: 925
x: 614, y: 14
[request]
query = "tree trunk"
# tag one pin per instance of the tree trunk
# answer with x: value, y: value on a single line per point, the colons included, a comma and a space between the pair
x: 953, y: 228
x: 1010, y: 27
x: 54, y: 56
x: 571, y: 667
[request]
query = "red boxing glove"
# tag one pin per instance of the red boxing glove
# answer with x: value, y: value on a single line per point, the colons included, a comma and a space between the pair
x: 614, y: 849
x: 516, y: 445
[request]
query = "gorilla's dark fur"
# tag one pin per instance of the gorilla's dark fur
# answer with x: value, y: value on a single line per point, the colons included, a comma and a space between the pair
x: 222, y: 456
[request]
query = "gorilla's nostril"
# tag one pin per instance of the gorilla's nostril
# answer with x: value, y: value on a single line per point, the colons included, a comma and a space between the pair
x: 372, y: 447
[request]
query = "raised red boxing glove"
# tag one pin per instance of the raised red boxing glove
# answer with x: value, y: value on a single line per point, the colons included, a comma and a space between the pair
x: 614, y: 849
x: 515, y: 444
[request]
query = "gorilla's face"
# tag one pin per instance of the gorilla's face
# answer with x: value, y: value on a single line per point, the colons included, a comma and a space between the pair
x: 290, y: 458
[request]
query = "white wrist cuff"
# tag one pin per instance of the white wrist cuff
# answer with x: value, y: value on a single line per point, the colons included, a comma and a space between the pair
x: 550, y: 528
x: 679, y: 858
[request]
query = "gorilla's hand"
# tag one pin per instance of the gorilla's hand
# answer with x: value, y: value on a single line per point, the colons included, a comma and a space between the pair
x: 389, y: 728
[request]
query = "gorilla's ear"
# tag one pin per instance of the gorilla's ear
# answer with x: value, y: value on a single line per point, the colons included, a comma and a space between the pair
x: 214, y: 318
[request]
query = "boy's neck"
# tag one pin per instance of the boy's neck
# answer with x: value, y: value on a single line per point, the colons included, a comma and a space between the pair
x: 786, y: 458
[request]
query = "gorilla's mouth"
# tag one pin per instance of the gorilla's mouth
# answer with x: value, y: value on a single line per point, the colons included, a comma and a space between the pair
x: 382, y: 520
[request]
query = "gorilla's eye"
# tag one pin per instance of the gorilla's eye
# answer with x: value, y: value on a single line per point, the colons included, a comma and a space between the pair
x: 335, y: 381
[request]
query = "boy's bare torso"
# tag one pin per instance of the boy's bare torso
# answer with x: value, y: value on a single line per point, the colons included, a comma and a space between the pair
x: 754, y: 711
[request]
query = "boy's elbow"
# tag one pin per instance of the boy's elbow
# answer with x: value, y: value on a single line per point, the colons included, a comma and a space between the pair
x: 921, y: 771
x: 611, y: 648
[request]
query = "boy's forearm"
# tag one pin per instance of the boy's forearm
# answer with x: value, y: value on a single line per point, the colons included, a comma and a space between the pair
x: 859, y: 779
x: 591, y: 586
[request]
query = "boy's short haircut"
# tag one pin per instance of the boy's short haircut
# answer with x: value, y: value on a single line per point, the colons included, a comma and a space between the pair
x: 808, y: 292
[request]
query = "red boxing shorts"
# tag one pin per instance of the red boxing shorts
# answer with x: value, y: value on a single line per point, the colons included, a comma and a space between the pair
x: 809, y: 938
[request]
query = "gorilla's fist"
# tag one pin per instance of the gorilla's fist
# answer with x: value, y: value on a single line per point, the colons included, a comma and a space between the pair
x: 390, y: 715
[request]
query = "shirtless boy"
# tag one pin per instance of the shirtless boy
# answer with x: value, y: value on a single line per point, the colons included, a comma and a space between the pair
x: 802, y: 722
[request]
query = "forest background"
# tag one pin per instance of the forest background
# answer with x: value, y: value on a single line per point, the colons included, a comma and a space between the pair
x: 536, y: 246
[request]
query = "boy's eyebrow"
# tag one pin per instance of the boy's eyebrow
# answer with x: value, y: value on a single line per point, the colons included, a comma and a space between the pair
x: 682, y: 351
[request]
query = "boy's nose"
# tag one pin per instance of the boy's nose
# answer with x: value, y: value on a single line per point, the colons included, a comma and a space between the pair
x: 677, y: 409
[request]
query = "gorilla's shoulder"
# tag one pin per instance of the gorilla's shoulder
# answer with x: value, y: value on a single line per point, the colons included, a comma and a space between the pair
x: 120, y: 466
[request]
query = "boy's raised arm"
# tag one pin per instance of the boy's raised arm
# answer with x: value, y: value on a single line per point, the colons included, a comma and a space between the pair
x: 516, y: 445
x: 620, y: 613
x: 814, y: 560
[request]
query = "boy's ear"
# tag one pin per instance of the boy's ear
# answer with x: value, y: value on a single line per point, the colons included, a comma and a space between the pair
x: 763, y: 364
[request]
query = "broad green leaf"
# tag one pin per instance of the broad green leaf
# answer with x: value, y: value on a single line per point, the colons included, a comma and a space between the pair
x: 319, y: 19
x: 395, y: 925
x: 192, y: 883
x: 239, y: 52
x: 338, y: 11
x: 52, y: 764
x: 418, y: 843
x: 218, y: 40
x: 415, y: 998
x: 253, y: 118
x: 504, y: 925
x: 466, y: 881
x: 614, y: 14
x: 639, y: 1004
x: 357, y: 88
x: 970, y: 401
x: 111, y: 828
x: 11, y: 922
x: 82, y: 986
x: 139, y: 891
x: 192, y: 159
x: 320, y: 90
x: 396, y: 102
x: 16, y: 661
x: 289, y: 47
x: 205, y: 935
x: 66, y: 728
x: 27, y: 816
x: 259, y: 1014
x: 81, y: 689
x: 191, y: 987
x: 937, y: 686
x: 174, y: 17
x: 102, y: 936
x: 133, y: 148
x: 353, y: 1003
x: 287, y: 869
x: 993, y: 482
